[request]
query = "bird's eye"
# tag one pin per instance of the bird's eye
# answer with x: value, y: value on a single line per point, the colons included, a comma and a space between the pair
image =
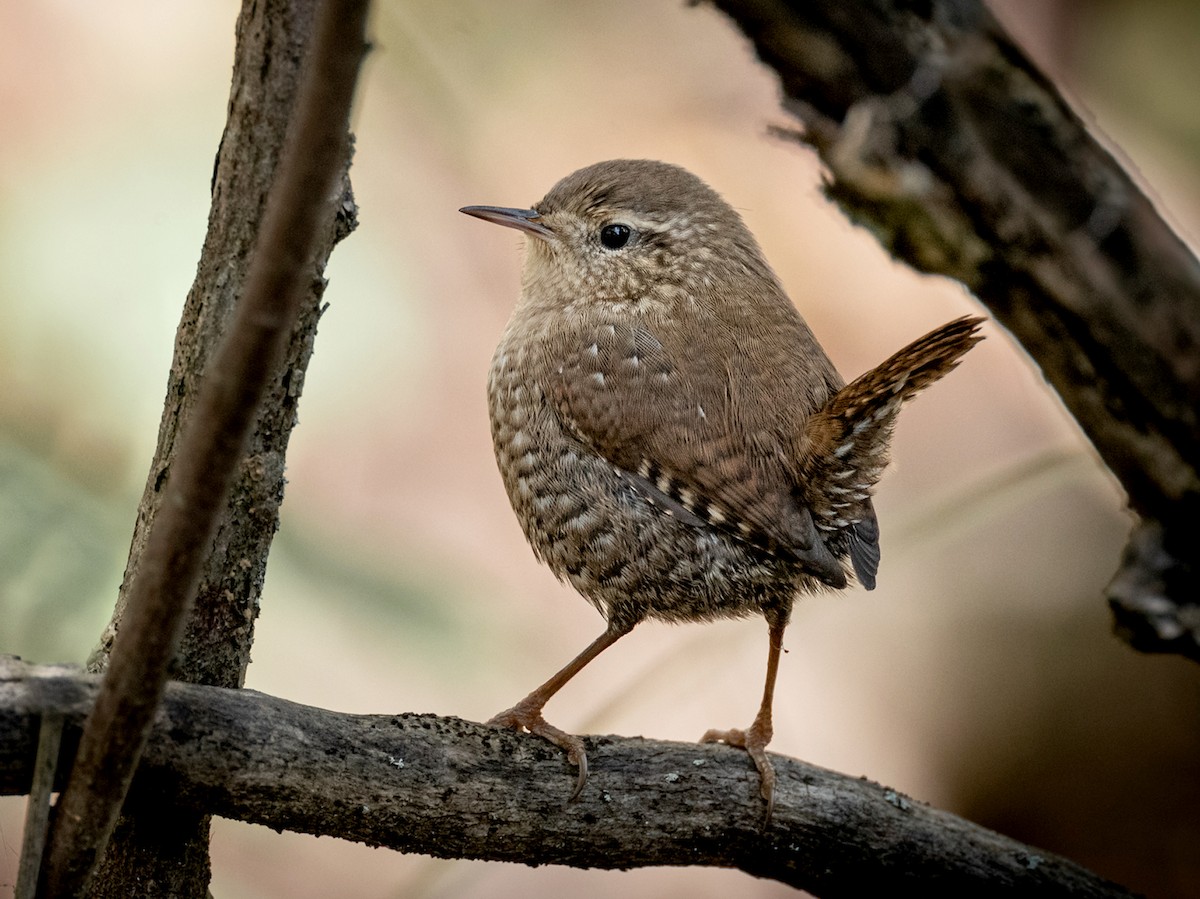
x: 615, y: 236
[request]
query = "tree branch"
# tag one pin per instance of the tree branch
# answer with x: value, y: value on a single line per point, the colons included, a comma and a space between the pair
x: 211, y: 448
x: 454, y: 789
x: 943, y: 138
x: 157, y: 846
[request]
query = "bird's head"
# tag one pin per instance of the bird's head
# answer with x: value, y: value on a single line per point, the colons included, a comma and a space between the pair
x: 632, y: 231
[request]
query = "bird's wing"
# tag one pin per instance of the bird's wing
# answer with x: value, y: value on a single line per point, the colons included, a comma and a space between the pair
x: 678, y: 434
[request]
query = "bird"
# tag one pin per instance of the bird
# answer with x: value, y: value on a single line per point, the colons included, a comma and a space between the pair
x: 673, y: 439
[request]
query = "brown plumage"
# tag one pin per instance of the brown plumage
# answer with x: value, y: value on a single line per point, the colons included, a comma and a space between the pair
x: 673, y: 438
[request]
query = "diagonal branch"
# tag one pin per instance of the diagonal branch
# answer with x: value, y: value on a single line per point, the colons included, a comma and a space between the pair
x: 159, y: 598
x: 943, y: 138
x: 151, y: 843
x: 454, y: 789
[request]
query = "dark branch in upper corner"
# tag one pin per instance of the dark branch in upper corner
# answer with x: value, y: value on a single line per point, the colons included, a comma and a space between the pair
x: 451, y: 788
x: 942, y: 137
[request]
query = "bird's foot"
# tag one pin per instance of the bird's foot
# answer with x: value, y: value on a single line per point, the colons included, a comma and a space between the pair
x: 529, y: 718
x: 754, y: 741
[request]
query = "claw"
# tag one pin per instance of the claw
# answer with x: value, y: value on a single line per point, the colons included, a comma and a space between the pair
x: 754, y: 741
x: 521, y: 717
x: 579, y: 759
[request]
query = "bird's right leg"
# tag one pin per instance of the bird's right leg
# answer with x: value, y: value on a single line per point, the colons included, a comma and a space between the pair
x: 755, y: 738
x: 527, y: 714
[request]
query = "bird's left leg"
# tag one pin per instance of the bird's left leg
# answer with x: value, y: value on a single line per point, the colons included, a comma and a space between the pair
x: 527, y: 714
x: 755, y: 739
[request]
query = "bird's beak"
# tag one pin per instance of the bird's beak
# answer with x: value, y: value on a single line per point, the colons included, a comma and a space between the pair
x: 527, y: 220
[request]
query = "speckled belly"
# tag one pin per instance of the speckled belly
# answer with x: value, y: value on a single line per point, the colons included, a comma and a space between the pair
x: 593, y: 526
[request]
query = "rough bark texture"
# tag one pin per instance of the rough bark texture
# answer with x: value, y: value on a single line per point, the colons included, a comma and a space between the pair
x: 163, y: 850
x: 943, y: 138
x: 272, y: 40
x: 451, y: 788
x: 940, y: 136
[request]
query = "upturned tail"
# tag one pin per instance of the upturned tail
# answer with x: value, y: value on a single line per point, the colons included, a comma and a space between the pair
x: 846, y: 442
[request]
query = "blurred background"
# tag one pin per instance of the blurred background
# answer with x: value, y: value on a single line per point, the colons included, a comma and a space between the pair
x: 981, y: 675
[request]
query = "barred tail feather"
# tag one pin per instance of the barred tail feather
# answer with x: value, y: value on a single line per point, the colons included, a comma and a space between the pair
x: 845, y: 444
x: 876, y: 395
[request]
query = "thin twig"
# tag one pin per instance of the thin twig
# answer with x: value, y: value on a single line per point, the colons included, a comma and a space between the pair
x: 116, y: 730
x: 37, y: 812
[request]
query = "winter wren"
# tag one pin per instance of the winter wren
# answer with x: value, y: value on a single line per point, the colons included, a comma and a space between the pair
x: 672, y: 437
